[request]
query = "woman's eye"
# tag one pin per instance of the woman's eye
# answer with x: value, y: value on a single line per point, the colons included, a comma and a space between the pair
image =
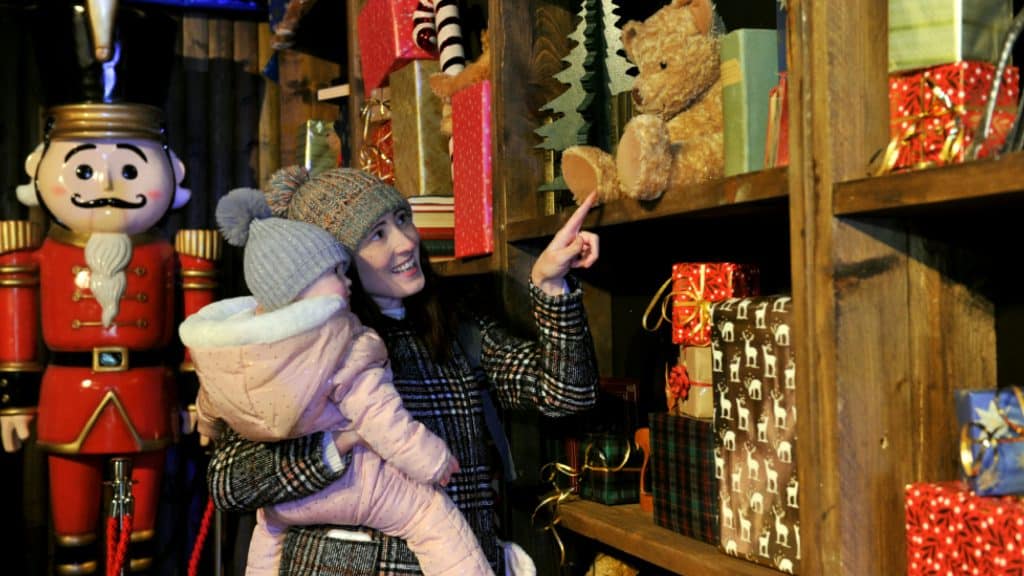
x: 130, y: 172
x: 83, y: 171
x: 402, y: 218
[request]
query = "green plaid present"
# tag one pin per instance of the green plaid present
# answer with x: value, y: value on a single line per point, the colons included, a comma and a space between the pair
x: 611, y: 469
x: 683, y: 473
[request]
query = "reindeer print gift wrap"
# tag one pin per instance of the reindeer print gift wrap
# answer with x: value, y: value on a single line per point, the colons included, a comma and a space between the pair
x: 755, y: 426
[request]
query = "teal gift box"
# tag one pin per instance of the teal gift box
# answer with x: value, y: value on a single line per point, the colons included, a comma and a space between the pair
x: 923, y: 34
x: 611, y: 469
x: 749, y: 72
x: 992, y: 439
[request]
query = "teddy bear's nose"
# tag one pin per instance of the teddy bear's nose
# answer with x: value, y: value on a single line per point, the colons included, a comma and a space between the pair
x: 637, y: 98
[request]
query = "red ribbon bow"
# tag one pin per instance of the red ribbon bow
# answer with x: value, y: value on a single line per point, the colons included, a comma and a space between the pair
x: 679, y: 383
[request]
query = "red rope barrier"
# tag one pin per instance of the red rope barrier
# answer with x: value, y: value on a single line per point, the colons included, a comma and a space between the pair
x: 117, y: 545
x: 197, y: 548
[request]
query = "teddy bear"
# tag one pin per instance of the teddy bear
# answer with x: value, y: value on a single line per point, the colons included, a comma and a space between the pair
x: 444, y: 85
x: 677, y: 137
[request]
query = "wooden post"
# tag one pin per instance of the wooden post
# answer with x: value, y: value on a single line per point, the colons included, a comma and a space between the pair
x: 270, y: 114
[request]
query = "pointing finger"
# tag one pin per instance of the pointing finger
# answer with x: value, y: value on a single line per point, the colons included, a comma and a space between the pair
x: 572, y: 226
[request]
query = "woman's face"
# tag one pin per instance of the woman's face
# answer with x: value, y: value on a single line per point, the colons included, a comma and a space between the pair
x: 388, y: 260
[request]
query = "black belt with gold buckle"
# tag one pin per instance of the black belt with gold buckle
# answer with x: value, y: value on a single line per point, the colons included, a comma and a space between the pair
x: 110, y: 359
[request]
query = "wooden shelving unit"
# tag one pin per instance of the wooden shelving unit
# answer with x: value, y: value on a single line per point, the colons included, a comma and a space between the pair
x: 720, y: 198
x: 962, y: 185
x: 632, y: 530
x: 464, y: 266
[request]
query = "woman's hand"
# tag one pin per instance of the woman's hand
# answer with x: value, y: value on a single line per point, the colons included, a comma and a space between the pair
x: 570, y: 248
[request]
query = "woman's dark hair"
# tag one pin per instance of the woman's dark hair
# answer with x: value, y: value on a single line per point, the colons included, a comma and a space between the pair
x: 431, y: 311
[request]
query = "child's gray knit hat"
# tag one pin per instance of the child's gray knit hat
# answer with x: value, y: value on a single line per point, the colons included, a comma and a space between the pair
x: 344, y: 201
x: 282, y: 257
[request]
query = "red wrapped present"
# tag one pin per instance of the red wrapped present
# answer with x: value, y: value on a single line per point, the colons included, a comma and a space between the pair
x: 471, y: 170
x: 695, y: 286
x: 389, y: 37
x: 952, y: 530
x: 934, y: 113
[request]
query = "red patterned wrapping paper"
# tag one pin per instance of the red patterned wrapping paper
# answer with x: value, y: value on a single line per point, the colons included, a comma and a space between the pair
x: 387, y: 40
x: 951, y: 530
x: 924, y: 124
x: 471, y: 170
x: 695, y: 286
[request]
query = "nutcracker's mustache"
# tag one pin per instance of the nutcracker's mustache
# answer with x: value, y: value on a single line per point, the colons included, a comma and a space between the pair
x: 76, y: 199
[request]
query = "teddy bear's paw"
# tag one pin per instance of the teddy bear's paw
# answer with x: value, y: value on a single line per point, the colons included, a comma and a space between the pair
x: 441, y: 84
x: 644, y: 158
x: 586, y: 169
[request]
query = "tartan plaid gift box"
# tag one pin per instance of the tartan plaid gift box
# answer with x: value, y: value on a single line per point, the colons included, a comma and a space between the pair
x: 952, y: 530
x: 611, y: 469
x: 683, y: 476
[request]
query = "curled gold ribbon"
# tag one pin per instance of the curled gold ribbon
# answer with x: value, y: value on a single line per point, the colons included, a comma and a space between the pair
x: 701, y: 305
x: 372, y: 157
x: 550, y: 472
x: 952, y: 144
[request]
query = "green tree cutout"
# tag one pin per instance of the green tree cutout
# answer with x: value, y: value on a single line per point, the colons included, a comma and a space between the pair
x: 570, y: 126
x: 592, y: 83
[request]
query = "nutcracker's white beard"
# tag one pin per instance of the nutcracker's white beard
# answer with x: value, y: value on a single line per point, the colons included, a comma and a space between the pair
x: 107, y: 255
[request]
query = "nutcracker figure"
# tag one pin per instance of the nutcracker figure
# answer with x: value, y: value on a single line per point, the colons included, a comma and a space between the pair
x: 101, y: 286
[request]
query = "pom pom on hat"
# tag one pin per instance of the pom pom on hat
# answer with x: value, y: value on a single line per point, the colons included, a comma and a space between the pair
x: 282, y: 187
x: 236, y: 212
x: 282, y: 257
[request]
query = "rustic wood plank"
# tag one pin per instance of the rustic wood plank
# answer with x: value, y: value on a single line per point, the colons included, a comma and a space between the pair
x: 953, y: 343
x: 633, y: 531
x: 744, y: 192
x: 355, y: 82
x: 464, y: 266
x: 301, y: 75
x: 195, y: 49
x: 247, y: 83
x: 270, y: 114
x: 222, y: 110
x: 848, y: 524
x: 980, y: 180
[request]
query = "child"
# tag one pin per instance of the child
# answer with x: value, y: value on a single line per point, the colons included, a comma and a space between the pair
x: 292, y: 360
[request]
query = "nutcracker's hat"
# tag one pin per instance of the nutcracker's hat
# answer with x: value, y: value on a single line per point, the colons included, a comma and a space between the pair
x: 104, y: 68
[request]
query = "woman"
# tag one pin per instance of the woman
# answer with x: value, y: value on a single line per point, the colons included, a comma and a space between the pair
x: 425, y: 333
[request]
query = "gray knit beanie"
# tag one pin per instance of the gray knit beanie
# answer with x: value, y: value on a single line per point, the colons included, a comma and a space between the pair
x: 344, y: 201
x: 282, y: 257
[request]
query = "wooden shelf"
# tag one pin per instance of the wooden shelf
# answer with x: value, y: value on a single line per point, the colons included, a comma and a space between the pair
x: 936, y: 189
x: 463, y: 267
x: 633, y: 531
x: 717, y: 198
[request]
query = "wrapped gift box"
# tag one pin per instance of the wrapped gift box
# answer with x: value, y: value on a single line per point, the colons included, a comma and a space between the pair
x: 387, y: 39
x: 611, y: 469
x: 749, y: 71
x: 754, y: 371
x: 471, y: 158
x: 935, y: 112
x: 952, y: 530
x: 992, y: 439
x: 924, y: 34
x: 684, y: 476
x: 695, y: 286
x: 422, y: 165
x: 688, y: 386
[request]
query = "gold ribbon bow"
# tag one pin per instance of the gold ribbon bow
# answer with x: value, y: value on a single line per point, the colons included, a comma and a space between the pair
x: 545, y: 516
x: 952, y: 144
x: 700, y: 304
x: 987, y: 440
x: 372, y: 158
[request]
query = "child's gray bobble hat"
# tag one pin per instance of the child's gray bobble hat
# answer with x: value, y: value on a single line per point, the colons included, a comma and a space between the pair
x: 282, y: 257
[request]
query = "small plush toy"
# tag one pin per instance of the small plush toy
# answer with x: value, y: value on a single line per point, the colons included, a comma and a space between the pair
x: 444, y: 85
x: 677, y: 138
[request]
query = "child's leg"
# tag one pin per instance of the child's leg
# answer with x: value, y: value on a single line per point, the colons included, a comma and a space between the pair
x: 265, y: 546
x: 429, y: 522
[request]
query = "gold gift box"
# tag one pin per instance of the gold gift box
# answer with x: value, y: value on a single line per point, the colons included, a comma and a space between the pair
x: 925, y: 34
x: 422, y: 165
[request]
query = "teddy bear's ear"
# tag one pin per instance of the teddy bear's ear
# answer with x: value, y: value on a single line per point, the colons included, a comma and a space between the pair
x: 630, y: 31
x: 703, y: 14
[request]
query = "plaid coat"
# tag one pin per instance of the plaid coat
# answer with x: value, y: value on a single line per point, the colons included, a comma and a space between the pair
x: 556, y: 374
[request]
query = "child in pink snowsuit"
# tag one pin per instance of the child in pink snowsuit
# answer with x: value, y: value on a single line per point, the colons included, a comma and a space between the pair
x: 293, y: 360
